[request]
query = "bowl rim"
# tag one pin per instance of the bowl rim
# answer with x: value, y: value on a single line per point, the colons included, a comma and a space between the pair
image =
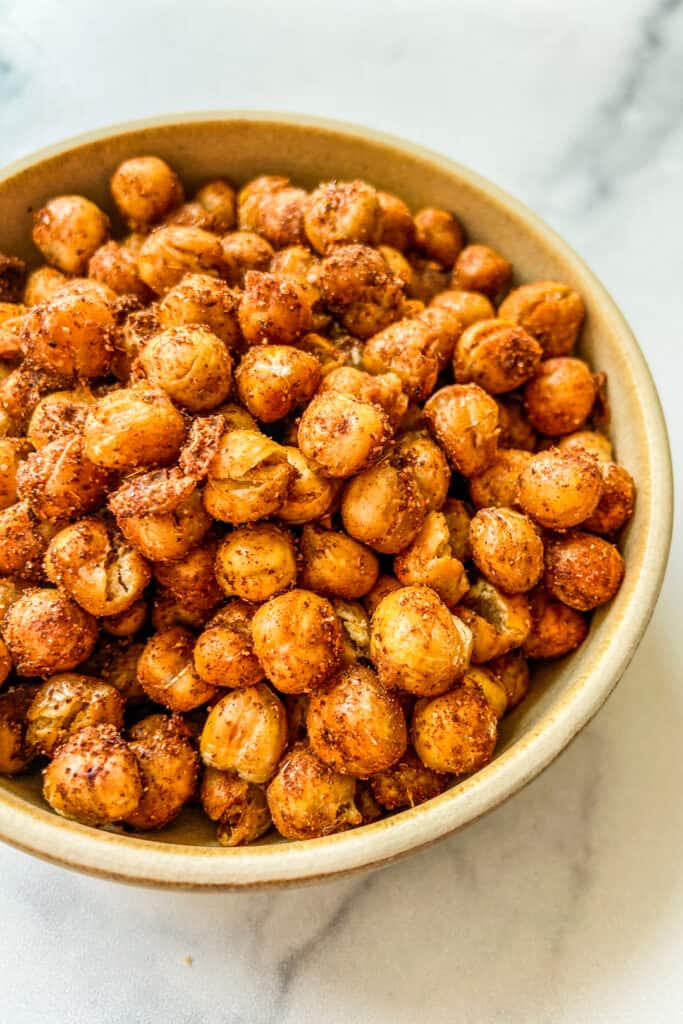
x: 130, y: 859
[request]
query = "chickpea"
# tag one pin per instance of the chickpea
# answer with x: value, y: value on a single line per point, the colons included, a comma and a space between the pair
x: 133, y: 427
x: 415, y: 642
x: 555, y: 628
x: 16, y: 752
x: 298, y: 640
x: 173, y: 251
x: 10, y: 591
x: 383, y: 507
x: 116, y: 267
x: 59, y: 481
x: 66, y: 703
x: 560, y: 489
x: 444, y: 331
x: 12, y: 454
x: 430, y: 561
x: 11, y: 336
x: 23, y: 539
x: 204, y: 300
x: 515, y: 429
x: 617, y: 499
x: 458, y: 517
x: 220, y: 202
x: 129, y: 340
x: 180, y: 523
x: 357, y: 285
x: 417, y: 451
x: 333, y: 563
x: 169, y: 611
x: 243, y: 251
x: 224, y: 652
x: 169, y: 767
x: 127, y: 623
x: 559, y: 398
x: 438, y: 235
x: 507, y: 548
x: 341, y: 434
x: 382, y: 389
x: 273, y: 309
x: 47, y: 633
x: 397, y: 227
x: 397, y: 264
x: 499, y: 622
x: 512, y: 672
x: 256, y: 562
x: 116, y: 663
x: 384, y: 585
x: 428, y: 279
x: 479, y: 268
x: 464, y: 420
x: 71, y: 333
x: 551, y: 312
x: 582, y: 571
x: 57, y: 414
x: 94, y: 777
x: 342, y: 212
x: 191, y: 215
x: 145, y: 189
x: 591, y: 441
x: 245, y: 732
x: 310, y: 496
x: 404, y: 348
x: 456, y: 731
x: 406, y: 783
x: 498, y: 485
x: 273, y: 380
x: 20, y: 392
x: 274, y: 208
x: 42, y: 283
x: 248, y: 478
x: 308, y: 798
x: 167, y: 674
x: 490, y: 685
x: 239, y: 807
x: 68, y: 230
x: 236, y: 418
x: 192, y: 365
x: 96, y: 568
x: 497, y: 355
x: 301, y: 265
x: 192, y: 577
x: 467, y: 307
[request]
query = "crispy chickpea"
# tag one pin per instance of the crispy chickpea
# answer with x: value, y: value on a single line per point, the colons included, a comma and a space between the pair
x: 464, y: 420
x: 133, y: 427
x: 507, y: 548
x: 467, y: 307
x: 617, y: 500
x: 191, y: 364
x: 96, y: 568
x: 308, y: 798
x: 20, y: 392
x: 204, y: 300
x: 236, y: 418
x: 13, y: 451
x: 224, y: 652
x: 591, y: 441
x: 397, y: 264
x: 396, y: 224
x: 515, y: 429
x: 42, y: 283
x: 404, y: 348
x: 342, y: 212
x: 23, y: 539
x: 71, y: 333
x: 342, y: 434
x: 479, y: 268
x: 46, y: 632
x: 66, y: 703
x: 311, y: 494
x: 499, y: 622
x: 180, y: 523
x: 16, y: 752
x: 428, y: 279
x: 273, y: 207
x: 333, y: 563
x: 248, y: 478
x: 415, y: 642
x: 130, y: 338
x: 383, y: 507
x: 169, y: 611
x: 384, y: 585
x: 145, y: 189
x: 357, y: 286
x: 444, y: 330
x: 68, y: 230
x: 303, y: 266
x: 169, y: 767
x: 220, y: 202
x: 243, y: 251
x: 273, y: 309
x: 406, y: 783
x: 419, y: 452
x: 127, y: 623
x: 273, y: 380
x: 551, y: 312
x: 498, y: 355
x: 167, y: 674
x: 245, y: 732
x: 192, y: 577
x: 383, y: 389
x: 559, y: 398
x: 94, y: 777
x: 438, y: 235
x: 116, y: 663
x: 173, y: 251
x: 458, y: 516
x: 559, y: 489
x: 555, y: 628
x: 429, y: 560
x: 257, y: 561
x: 498, y: 485
x: 239, y: 807
x: 490, y: 685
x: 298, y: 640
x: 59, y: 481
x: 455, y: 732
x: 512, y: 672
x: 116, y: 267
x: 582, y: 571
x: 59, y: 413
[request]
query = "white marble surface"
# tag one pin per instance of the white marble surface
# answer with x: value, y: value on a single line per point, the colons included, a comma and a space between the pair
x: 565, y: 905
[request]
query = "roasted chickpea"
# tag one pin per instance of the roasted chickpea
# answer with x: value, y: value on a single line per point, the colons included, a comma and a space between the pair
x: 384, y: 585
x: 499, y: 622
x: 582, y: 571
x: 512, y: 672
x: 13, y: 451
x: 167, y: 535
x: 224, y: 652
x: 94, y: 777
x: 42, y: 283
x: 192, y: 578
x: 357, y: 285
x: 47, y: 633
x: 341, y: 434
x: 129, y: 340
x: 145, y: 189
x: 173, y: 251
x: 23, y: 539
x: 490, y: 685
x: 116, y: 663
x: 204, y: 300
x: 192, y: 215
x: 57, y: 414
x: 383, y: 389
x: 256, y: 562
x: 464, y: 420
x: 467, y: 307
x: 273, y: 380
x: 245, y: 732
x: 551, y: 312
x: 310, y: 495
x: 383, y: 507
x: 273, y: 309
x: 66, y: 703
x: 617, y: 500
x: 438, y: 235
x: 11, y: 333
x: 10, y: 591
x: 507, y: 548
x: 16, y: 752
x: 397, y: 227
x: 169, y: 611
x: 167, y: 674
x: 417, y: 451
x: 444, y: 330
x: 555, y: 628
x: 515, y: 429
x: 127, y: 623
x: 498, y: 355
x: 169, y: 767
x: 59, y: 481
x: 71, y: 333
x: 479, y: 268
x: 342, y: 211
x: 133, y: 427
x: 405, y: 348
x: 20, y: 392
x: 406, y: 783
x: 590, y: 441
x: 191, y: 364
x: 274, y: 208
x: 559, y: 398
x: 397, y: 263
x: 243, y: 251
x: 429, y: 560
x: 498, y: 485
x: 68, y: 230
x: 219, y: 200
x: 415, y: 642
x: 248, y: 478
x: 239, y: 807
x: 458, y: 516
x: 428, y: 279
x: 236, y: 418
x: 308, y: 798
x: 298, y: 640
x: 333, y: 563
x: 455, y: 732
x: 560, y: 489
x: 116, y: 267
x: 303, y: 266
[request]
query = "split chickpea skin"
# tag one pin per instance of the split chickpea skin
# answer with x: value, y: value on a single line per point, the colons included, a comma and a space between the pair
x: 294, y: 488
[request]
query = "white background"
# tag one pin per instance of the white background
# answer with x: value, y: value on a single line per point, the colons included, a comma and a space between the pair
x: 566, y: 904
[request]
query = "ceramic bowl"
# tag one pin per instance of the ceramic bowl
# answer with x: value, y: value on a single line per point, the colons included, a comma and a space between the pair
x: 566, y: 694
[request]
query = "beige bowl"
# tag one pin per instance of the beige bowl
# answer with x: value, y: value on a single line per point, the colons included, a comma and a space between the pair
x: 565, y: 695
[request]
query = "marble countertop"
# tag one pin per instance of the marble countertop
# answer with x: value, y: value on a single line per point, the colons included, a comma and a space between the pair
x: 566, y: 904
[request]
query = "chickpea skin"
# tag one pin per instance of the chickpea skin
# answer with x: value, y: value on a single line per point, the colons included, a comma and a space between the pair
x: 204, y: 300
x: 308, y: 798
x: 256, y: 562
x: 582, y: 571
x: 497, y: 355
x: 560, y: 489
x: 383, y: 507
x: 166, y: 535
x: 507, y: 548
x: 248, y: 478
x: 245, y: 732
x: 438, y: 235
x: 498, y: 485
x: 66, y: 703
x: 559, y: 398
x: 59, y: 481
x: 464, y: 420
x: 167, y: 674
x: 169, y: 767
x: 273, y: 380
x: 224, y: 652
x: 192, y: 365
x: 239, y: 807
x: 556, y: 629
x: 341, y: 434
x: 133, y: 427
x: 68, y: 230
x: 173, y: 251
x: 333, y: 563
x: 16, y: 753
x: 455, y: 732
x: 479, y: 268
x: 273, y: 309
x: 549, y: 311
x: 145, y: 189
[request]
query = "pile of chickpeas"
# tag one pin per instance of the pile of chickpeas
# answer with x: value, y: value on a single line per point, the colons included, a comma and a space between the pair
x: 293, y: 486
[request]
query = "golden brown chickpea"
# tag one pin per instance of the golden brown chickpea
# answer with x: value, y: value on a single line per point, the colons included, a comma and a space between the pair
x: 498, y: 355
x: 224, y: 652
x: 499, y: 622
x: 273, y: 309
x: 355, y: 725
x: 582, y: 571
x: 192, y: 578
x: 551, y: 312
x: 512, y: 672
x: 16, y: 753
x: 145, y: 189
x: 116, y: 267
x: 243, y: 251
x: 308, y: 798
x: 169, y: 611
x: 438, y: 235
x: 555, y: 628
x: 273, y: 380
x: 357, y: 285
x: 444, y: 331
x: 236, y: 418
x: 10, y: 591
x: 192, y: 215
x: 384, y: 585
x: 406, y: 783
x: 560, y: 489
x: 417, y: 451
x: 42, y: 284
x: 256, y: 562
x: 169, y: 767
x: 590, y: 441
x: 405, y: 348
x: 333, y: 563
x: 303, y: 266
x: 428, y: 280
x: 298, y: 640
x: 464, y: 420
x: 126, y: 623
x: 272, y: 207
x: 311, y: 494
x: 515, y: 429
x: 617, y: 500
x: 219, y: 200
x: 341, y: 434
x: 507, y: 548
x: 490, y: 685
x: 239, y: 807
x: 168, y: 534
x: 130, y: 338
x: 455, y: 732
x: 342, y: 212
x: 134, y: 427
x: 71, y: 333
x: 191, y: 364
x: 245, y: 732
x: 59, y: 413
x: 204, y: 300
x: 173, y: 251
x: 23, y: 539
x: 59, y: 481
x: 498, y: 485
x: 167, y: 674
x: 383, y: 507
x: 12, y: 453
x: 96, y: 568
x: 415, y: 642
x: 20, y: 392
x: 66, y: 703
x: 397, y: 264
x: 458, y: 516
x: 94, y: 777
x: 116, y: 663
x: 467, y: 307
x: 429, y: 560
x: 559, y: 398
x: 248, y: 478
x: 47, y: 633
x: 383, y: 389
x: 68, y: 230
x: 479, y: 268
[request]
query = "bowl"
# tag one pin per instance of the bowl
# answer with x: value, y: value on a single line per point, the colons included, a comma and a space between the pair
x: 566, y: 694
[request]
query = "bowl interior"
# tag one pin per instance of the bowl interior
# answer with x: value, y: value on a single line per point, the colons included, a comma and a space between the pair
x: 564, y: 694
